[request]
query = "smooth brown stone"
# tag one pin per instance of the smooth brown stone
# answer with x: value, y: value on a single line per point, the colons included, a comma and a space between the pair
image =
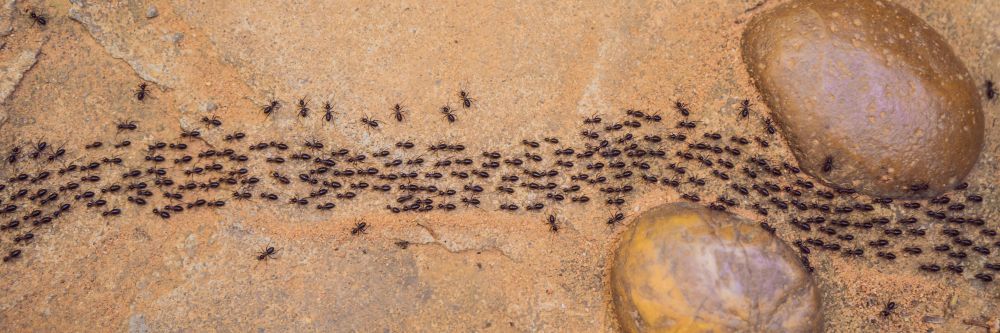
x: 684, y: 268
x: 871, y: 85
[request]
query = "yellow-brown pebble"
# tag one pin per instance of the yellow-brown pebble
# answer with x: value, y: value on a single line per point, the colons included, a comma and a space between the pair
x: 684, y: 268
x: 868, y: 95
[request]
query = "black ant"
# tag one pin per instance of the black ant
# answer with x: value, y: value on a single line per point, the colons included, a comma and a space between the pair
x: 127, y: 125
x: 466, y: 100
x: 745, y: 108
x: 635, y: 113
x: 449, y: 113
x: 372, y: 123
x: 615, y: 219
x: 39, y: 149
x: 682, y: 108
x: 552, y: 223
x: 267, y: 253
x: 38, y: 18
x: 595, y: 119
x: 214, y: 121
x: 329, y: 111
x: 919, y: 187
x: 828, y: 164
x: 470, y: 201
x: 691, y: 197
x: 314, y: 144
x: 143, y: 91
x: 360, y: 228
x: 767, y: 227
x: 991, y: 90
x: 888, y: 309
x: 303, y: 108
x: 769, y: 126
x: 273, y: 107
x: 185, y: 134
x: 398, y: 111
x: 13, y: 255
x: 686, y: 124
x: 24, y: 238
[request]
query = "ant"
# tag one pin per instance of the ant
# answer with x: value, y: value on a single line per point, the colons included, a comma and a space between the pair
x: 242, y: 195
x: 26, y: 237
x: 303, y: 109
x: 360, y: 228
x: 615, y: 219
x: 692, y: 197
x: 805, y: 264
x: 398, y: 111
x: 314, y: 144
x: 991, y: 90
x: 143, y: 91
x: 919, y: 187
x: 745, y: 108
x: 828, y: 164
x: 470, y: 201
x: 686, y: 124
x: 449, y: 113
x: 214, y: 121
x: 267, y: 253
x: 682, y: 108
x: 38, y: 18
x: 769, y: 126
x: 13, y: 255
x: 767, y: 227
x: 39, y: 149
x: 127, y: 125
x: 466, y: 100
x: 552, y: 223
x: 370, y: 122
x: 595, y: 119
x: 273, y: 107
x: 888, y: 309
x: 184, y: 134
x: 329, y: 111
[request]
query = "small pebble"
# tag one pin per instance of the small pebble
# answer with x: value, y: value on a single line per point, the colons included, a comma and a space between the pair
x: 174, y: 37
x: 151, y: 12
x: 208, y: 106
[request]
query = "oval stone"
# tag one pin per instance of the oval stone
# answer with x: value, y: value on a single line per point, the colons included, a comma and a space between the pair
x: 867, y: 94
x: 682, y: 267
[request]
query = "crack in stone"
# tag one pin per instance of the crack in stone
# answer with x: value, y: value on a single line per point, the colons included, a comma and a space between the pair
x: 12, y: 75
x: 436, y: 240
x: 103, y: 38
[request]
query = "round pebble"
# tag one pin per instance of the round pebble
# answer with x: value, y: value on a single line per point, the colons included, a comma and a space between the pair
x: 683, y: 267
x: 151, y: 12
x: 868, y: 95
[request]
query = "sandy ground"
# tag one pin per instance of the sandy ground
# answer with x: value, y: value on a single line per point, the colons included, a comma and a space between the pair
x: 535, y: 70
